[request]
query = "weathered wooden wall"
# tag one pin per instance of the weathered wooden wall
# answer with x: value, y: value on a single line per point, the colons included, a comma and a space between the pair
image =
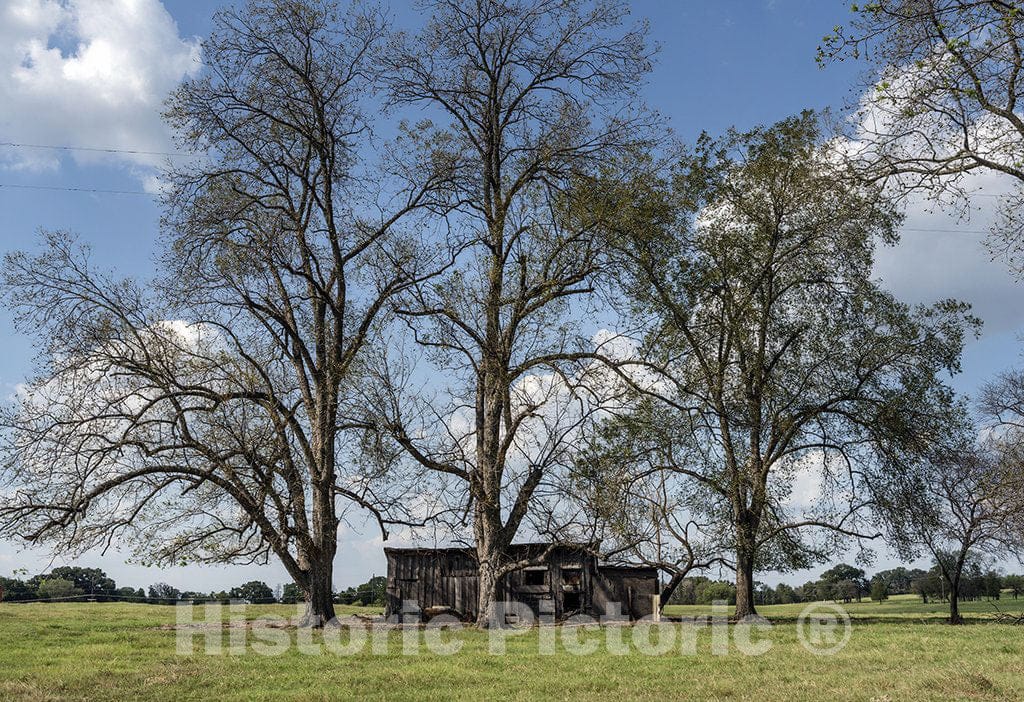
x: 633, y: 588
x: 433, y: 578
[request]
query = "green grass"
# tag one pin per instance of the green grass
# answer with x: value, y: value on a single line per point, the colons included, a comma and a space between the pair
x: 898, y: 651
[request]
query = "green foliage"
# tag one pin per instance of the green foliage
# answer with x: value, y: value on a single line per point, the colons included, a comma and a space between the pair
x: 16, y: 590
x: 702, y: 590
x: 785, y: 594
x: 57, y: 588
x: 879, y: 589
x: 716, y: 591
x: 84, y: 581
x: 900, y: 580
x: 1015, y: 584
x: 773, y: 345
x: 128, y: 594
x: 930, y: 585
x: 163, y: 593
x: 290, y: 594
x: 254, y: 592
x: 847, y: 582
x: 372, y: 592
x: 992, y: 584
x: 91, y: 581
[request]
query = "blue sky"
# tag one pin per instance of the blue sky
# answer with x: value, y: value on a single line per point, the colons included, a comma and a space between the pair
x: 109, y: 62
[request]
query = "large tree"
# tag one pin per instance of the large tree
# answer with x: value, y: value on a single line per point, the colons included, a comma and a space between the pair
x: 770, y: 357
x: 532, y: 95
x: 202, y: 414
x: 942, y: 98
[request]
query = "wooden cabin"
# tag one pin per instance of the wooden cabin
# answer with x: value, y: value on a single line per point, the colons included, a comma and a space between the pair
x: 568, y: 581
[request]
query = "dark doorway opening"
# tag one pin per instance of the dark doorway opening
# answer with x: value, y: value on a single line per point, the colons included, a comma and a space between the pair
x: 571, y: 601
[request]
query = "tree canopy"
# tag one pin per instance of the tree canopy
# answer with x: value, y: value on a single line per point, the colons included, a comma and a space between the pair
x: 769, y: 354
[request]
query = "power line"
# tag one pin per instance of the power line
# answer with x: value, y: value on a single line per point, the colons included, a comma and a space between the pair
x: 943, y: 231
x: 100, y: 191
x: 106, y: 150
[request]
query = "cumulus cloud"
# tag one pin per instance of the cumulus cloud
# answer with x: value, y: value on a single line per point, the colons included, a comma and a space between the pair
x: 90, y: 73
x: 942, y: 255
x: 942, y: 251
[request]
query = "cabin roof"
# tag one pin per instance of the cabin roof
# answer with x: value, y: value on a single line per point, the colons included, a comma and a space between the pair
x: 469, y: 551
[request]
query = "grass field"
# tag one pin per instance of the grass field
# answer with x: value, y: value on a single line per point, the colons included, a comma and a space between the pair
x: 898, y: 650
x: 899, y: 608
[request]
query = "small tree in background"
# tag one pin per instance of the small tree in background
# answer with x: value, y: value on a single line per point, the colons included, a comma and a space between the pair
x: 900, y: 579
x: 850, y: 582
x: 57, y: 588
x: 290, y: 593
x: 965, y: 505
x: 1015, y: 584
x: 992, y: 584
x: 162, y: 593
x: 847, y: 591
x: 254, y: 592
x: 929, y: 584
x: 91, y: 581
x: 16, y: 589
x: 373, y: 591
x: 127, y: 594
x: 711, y: 591
x: 879, y: 589
x: 785, y: 594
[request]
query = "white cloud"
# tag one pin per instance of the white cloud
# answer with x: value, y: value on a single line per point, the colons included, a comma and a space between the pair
x: 942, y: 255
x: 89, y: 73
x: 804, y: 482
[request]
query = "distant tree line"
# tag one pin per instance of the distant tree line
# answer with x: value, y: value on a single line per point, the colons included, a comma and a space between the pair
x: 66, y: 582
x: 94, y: 585
x: 845, y: 583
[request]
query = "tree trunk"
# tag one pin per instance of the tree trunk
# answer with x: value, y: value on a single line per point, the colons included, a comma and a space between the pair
x: 488, y: 598
x: 492, y: 538
x: 954, y: 602
x: 670, y: 587
x: 745, y: 584
x: 319, y: 559
x: 319, y: 595
x: 746, y: 530
x: 954, y: 610
x: 954, y: 587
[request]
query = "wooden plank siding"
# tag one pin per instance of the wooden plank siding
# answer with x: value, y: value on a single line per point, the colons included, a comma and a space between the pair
x: 573, y: 582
